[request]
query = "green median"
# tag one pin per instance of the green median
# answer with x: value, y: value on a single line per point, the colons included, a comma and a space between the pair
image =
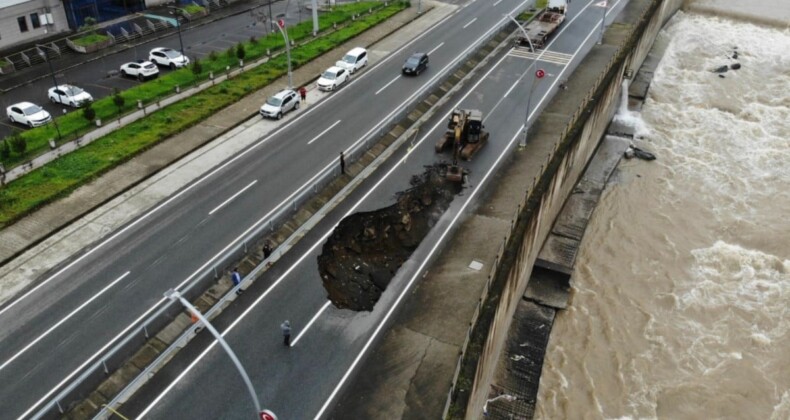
x: 65, y: 174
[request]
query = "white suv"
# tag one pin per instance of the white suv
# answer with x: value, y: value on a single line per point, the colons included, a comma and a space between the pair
x: 140, y: 69
x: 168, y: 57
x: 354, y: 60
x: 277, y: 105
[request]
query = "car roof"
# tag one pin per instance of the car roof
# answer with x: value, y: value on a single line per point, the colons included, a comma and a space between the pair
x: 162, y: 49
x: 282, y: 93
x: 63, y: 86
x: 23, y: 104
x: 356, y: 51
x: 334, y: 69
x: 418, y: 54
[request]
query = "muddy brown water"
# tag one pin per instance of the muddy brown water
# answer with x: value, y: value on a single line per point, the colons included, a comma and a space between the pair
x: 681, y: 293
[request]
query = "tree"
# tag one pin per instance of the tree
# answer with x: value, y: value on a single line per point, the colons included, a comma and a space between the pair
x: 197, y: 68
x: 240, y: 51
x: 118, y: 100
x: 88, y: 112
x: 18, y: 144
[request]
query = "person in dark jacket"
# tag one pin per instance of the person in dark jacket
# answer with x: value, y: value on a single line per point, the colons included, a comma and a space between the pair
x: 286, y: 328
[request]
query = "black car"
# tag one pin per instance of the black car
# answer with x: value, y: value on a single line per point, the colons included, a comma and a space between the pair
x: 415, y: 64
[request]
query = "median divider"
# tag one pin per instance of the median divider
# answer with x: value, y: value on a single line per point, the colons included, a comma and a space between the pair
x: 283, y: 229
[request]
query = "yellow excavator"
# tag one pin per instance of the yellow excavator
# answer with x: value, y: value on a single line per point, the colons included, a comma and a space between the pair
x: 466, y: 135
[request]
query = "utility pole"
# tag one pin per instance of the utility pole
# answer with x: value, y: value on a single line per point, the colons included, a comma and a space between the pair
x: 45, y: 54
x: 281, y: 25
x: 177, y: 14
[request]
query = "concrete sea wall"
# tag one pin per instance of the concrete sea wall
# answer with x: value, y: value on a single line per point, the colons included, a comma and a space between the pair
x: 572, y: 126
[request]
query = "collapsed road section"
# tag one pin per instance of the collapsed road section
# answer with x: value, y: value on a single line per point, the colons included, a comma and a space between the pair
x: 366, y: 249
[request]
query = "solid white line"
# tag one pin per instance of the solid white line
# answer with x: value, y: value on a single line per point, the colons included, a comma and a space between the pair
x: 64, y: 319
x: 470, y: 22
x: 299, y: 261
x: 496, y: 2
x: 232, y: 197
x: 324, y: 132
x: 387, y: 85
x: 253, y: 226
x: 217, y: 169
x: 312, y: 320
x: 435, y: 48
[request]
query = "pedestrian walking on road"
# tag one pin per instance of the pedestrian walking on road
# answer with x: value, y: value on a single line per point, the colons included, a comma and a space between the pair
x: 303, y: 94
x: 235, y: 277
x: 342, y: 163
x: 286, y: 327
x: 267, y: 250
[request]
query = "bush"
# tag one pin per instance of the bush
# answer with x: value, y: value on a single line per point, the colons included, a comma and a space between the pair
x: 231, y: 52
x: 5, y: 150
x: 18, y: 144
x: 212, y: 56
x: 197, y: 68
x: 253, y: 40
x: 240, y: 51
x: 89, y: 113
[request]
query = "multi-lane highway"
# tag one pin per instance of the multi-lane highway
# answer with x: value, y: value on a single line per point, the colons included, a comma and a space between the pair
x: 89, y: 302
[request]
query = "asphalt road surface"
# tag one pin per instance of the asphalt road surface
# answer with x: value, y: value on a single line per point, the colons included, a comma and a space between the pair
x: 99, y: 79
x: 87, y: 304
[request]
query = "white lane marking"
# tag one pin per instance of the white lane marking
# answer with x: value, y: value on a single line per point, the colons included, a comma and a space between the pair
x: 254, y: 225
x: 440, y: 241
x: 62, y: 320
x: 298, y: 261
x: 496, y: 2
x: 218, y: 169
x: 312, y: 320
x: 435, y: 48
x: 387, y: 85
x: 470, y: 22
x: 320, y: 241
x: 232, y: 197
x: 324, y: 132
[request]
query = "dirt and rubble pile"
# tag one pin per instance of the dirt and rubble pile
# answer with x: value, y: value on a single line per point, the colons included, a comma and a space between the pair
x: 365, y: 250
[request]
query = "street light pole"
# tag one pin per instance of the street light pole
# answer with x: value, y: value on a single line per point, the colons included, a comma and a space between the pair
x: 174, y: 295
x: 287, y: 51
x: 54, y: 81
x: 178, y: 25
x: 523, y: 143
x: 604, y: 7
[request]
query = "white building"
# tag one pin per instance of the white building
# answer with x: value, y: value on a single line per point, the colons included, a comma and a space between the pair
x: 28, y: 20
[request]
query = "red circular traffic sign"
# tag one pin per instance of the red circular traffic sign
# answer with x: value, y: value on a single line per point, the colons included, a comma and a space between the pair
x: 281, y: 23
x: 540, y: 73
x: 267, y: 415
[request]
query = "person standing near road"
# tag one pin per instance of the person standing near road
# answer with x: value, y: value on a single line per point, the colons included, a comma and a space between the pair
x: 235, y: 277
x: 303, y: 94
x: 342, y: 163
x: 286, y: 328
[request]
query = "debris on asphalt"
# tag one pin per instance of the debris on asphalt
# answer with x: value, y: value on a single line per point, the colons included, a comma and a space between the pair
x: 365, y: 250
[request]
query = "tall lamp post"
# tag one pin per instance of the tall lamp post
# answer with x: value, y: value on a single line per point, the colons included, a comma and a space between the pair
x: 284, y: 32
x: 174, y: 295
x: 44, y: 53
x: 178, y: 13
x: 604, y: 5
x: 538, y: 74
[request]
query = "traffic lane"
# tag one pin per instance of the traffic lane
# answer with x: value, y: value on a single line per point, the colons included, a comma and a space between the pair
x: 328, y: 328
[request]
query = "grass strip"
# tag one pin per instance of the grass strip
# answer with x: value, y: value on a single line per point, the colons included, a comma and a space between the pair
x: 65, y: 174
x: 73, y: 125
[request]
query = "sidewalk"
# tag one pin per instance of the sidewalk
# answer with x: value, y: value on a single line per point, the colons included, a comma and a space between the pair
x: 57, y: 231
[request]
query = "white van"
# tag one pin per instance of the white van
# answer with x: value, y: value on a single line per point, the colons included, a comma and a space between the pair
x: 354, y: 60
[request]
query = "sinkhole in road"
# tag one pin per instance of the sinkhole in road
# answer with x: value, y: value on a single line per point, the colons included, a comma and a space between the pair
x: 366, y: 249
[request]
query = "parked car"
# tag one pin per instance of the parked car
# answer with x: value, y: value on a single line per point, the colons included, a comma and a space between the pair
x: 28, y: 114
x: 333, y: 78
x: 69, y: 95
x: 168, y: 57
x: 276, y: 106
x: 415, y: 64
x: 354, y: 60
x: 140, y: 69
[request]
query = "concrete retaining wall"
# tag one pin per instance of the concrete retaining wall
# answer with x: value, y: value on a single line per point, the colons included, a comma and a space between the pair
x: 626, y: 44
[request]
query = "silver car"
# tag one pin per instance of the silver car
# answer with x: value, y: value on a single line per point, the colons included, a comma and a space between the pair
x: 278, y: 105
